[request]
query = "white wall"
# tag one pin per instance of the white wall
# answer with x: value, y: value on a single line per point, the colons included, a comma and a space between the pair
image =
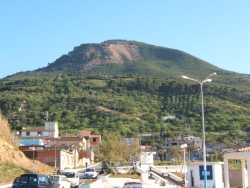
x: 34, y: 134
x: 147, y: 158
x: 66, y: 160
x: 216, y: 182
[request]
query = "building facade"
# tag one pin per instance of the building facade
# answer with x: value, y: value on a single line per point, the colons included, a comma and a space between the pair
x: 45, y: 145
x: 50, y: 129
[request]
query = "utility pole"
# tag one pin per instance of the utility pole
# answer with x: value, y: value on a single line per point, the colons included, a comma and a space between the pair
x: 201, y: 83
x: 47, y: 116
x: 33, y: 154
x: 55, y: 155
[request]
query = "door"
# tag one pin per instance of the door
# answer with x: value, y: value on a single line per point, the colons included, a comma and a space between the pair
x: 24, y: 179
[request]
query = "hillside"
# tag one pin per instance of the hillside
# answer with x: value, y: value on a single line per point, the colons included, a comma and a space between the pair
x: 120, y: 57
x: 12, y: 161
x: 129, y: 87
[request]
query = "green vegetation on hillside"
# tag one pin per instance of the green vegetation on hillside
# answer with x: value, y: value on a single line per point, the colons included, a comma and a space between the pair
x: 129, y: 87
x: 128, y: 105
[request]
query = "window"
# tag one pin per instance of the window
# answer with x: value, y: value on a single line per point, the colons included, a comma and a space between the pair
x: 69, y: 174
x: 43, y: 180
x: 33, y: 180
x: 90, y: 170
x: 17, y: 180
x: 27, y: 133
x: 94, y: 139
x: 24, y: 179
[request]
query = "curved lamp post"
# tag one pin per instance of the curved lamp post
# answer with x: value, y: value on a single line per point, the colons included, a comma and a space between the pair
x: 201, y: 83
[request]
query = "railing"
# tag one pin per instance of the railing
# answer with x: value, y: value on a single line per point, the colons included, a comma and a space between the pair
x: 171, y: 168
x: 168, y: 175
x: 163, y: 180
x: 90, y: 166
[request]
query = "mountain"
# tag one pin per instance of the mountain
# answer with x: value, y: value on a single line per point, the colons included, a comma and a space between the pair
x: 120, y: 57
x: 129, y: 87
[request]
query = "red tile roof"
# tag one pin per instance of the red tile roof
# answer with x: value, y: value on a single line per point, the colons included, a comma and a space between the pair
x: 85, y: 133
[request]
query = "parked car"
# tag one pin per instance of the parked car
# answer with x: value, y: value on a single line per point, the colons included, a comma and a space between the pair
x: 90, y: 173
x: 32, y: 181
x: 60, y: 181
x: 132, y: 185
x: 72, y: 176
x: 81, y: 174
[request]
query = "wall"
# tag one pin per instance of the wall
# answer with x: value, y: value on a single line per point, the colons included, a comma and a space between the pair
x: 216, y: 182
x: 35, y: 134
x: 147, y: 158
x: 66, y: 160
x: 63, y: 159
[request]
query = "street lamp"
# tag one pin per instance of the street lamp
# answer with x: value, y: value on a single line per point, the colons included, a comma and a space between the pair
x: 202, y: 82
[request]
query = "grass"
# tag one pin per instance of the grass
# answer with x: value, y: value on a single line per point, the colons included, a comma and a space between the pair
x: 9, y: 172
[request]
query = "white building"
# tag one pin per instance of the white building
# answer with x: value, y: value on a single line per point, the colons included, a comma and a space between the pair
x: 146, y: 160
x: 195, y: 175
x: 50, y: 129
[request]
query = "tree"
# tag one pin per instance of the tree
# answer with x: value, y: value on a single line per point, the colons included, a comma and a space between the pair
x: 176, y: 153
x: 114, y: 149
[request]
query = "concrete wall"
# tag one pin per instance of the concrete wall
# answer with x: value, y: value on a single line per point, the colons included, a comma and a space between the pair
x: 147, y: 158
x: 66, y: 160
x: 216, y: 182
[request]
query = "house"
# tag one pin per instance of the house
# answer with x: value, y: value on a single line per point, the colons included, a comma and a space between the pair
x: 63, y: 147
x: 56, y: 157
x: 82, y: 145
x: 45, y: 144
x: 178, y: 141
x: 31, y: 142
x: 93, y: 138
x: 66, y: 142
x: 50, y: 129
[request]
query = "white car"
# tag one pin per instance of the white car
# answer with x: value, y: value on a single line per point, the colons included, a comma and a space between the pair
x: 90, y: 173
x: 60, y: 181
x: 72, y: 176
x: 132, y: 185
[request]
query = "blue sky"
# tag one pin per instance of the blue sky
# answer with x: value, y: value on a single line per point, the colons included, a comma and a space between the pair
x: 34, y: 33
